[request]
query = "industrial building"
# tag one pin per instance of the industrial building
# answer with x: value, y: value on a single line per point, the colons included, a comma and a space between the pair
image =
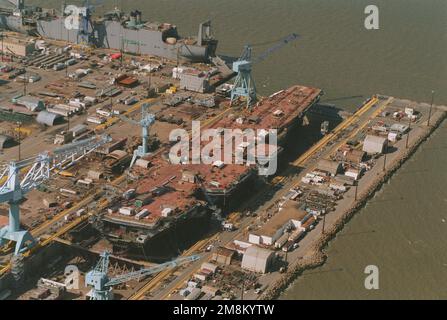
x: 30, y: 102
x: 331, y: 167
x: 223, y: 255
x: 289, y: 217
x: 49, y: 118
x: 374, y: 144
x: 257, y: 259
x: 194, y: 80
x: 16, y: 47
x: 355, y: 156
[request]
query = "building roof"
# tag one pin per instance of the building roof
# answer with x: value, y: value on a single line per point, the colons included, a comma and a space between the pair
x: 258, y: 252
x: 289, y: 212
x: 48, y: 118
x: 375, y: 139
x: 355, y: 155
x: 222, y: 251
x: 329, y: 166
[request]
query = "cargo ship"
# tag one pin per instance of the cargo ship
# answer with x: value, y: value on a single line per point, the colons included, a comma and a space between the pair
x: 168, y: 204
x: 113, y: 30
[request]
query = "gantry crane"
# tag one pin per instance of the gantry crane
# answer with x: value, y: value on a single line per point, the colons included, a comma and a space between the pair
x: 13, y: 190
x: 147, y: 119
x: 102, y: 285
x: 244, y: 85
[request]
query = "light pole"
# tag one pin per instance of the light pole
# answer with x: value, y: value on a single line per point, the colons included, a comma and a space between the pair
x: 2, y: 35
x: 20, y: 141
x: 431, y: 106
x: 408, y: 134
x: 25, y: 80
x: 324, y: 223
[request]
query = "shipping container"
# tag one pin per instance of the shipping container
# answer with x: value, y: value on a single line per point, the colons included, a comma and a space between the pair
x: 96, y: 120
x: 126, y: 211
x: 142, y: 214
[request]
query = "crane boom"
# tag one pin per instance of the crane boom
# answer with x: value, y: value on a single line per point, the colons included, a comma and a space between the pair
x: 13, y: 190
x: 281, y: 43
x: 102, y: 285
x: 148, y: 271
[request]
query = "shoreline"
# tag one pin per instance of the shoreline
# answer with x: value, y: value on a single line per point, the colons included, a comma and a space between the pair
x: 318, y: 255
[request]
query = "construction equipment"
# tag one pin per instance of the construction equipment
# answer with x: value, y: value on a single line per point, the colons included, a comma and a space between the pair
x: 147, y: 119
x: 102, y: 285
x: 244, y: 85
x: 13, y: 191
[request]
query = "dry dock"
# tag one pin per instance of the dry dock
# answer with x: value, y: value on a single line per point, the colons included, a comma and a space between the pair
x: 310, y: 250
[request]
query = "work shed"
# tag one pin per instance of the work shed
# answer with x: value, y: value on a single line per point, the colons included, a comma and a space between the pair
x: 374, y: 144
x: 331, y: 167
x: 223, y: 255
x: 31, y: 103
x: 49, y: 118
x: 258, y: 259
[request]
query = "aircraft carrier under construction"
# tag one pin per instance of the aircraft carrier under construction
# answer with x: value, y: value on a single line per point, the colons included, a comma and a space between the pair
x: 78, y: 84
x: 168, y: 200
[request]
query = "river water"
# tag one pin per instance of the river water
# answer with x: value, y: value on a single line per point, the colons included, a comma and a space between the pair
x: 403, y: 230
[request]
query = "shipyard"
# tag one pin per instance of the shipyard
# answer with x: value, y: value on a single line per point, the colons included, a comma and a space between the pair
x: 90, y: 190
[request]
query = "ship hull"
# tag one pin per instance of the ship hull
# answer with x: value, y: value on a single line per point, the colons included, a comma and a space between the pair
x: 111, y: 35
x: 163, y: 242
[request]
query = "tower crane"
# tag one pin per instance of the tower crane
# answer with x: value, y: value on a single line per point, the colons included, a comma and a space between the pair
x: 147, y: 119
x: 13, y: 190
x: 244, y: 85
x: 102, y: 285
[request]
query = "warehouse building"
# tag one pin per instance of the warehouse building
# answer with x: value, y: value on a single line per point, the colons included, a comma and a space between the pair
x: 49, y: 118
x: 16, y: 47
x: 331, y: 167
x: 289, y: 217
x: 374, y: 144
x: 355, y: 156
x: 29, y: 102
x: 194, y: 80
x: 258, y: 259
x: 223, y: 255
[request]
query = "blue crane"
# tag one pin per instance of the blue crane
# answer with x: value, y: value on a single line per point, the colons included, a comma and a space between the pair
x: 147, y: 119
x: 86, y: 32
x: 13, y: 190
x: 244, y: 84
x: 102, y: 285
